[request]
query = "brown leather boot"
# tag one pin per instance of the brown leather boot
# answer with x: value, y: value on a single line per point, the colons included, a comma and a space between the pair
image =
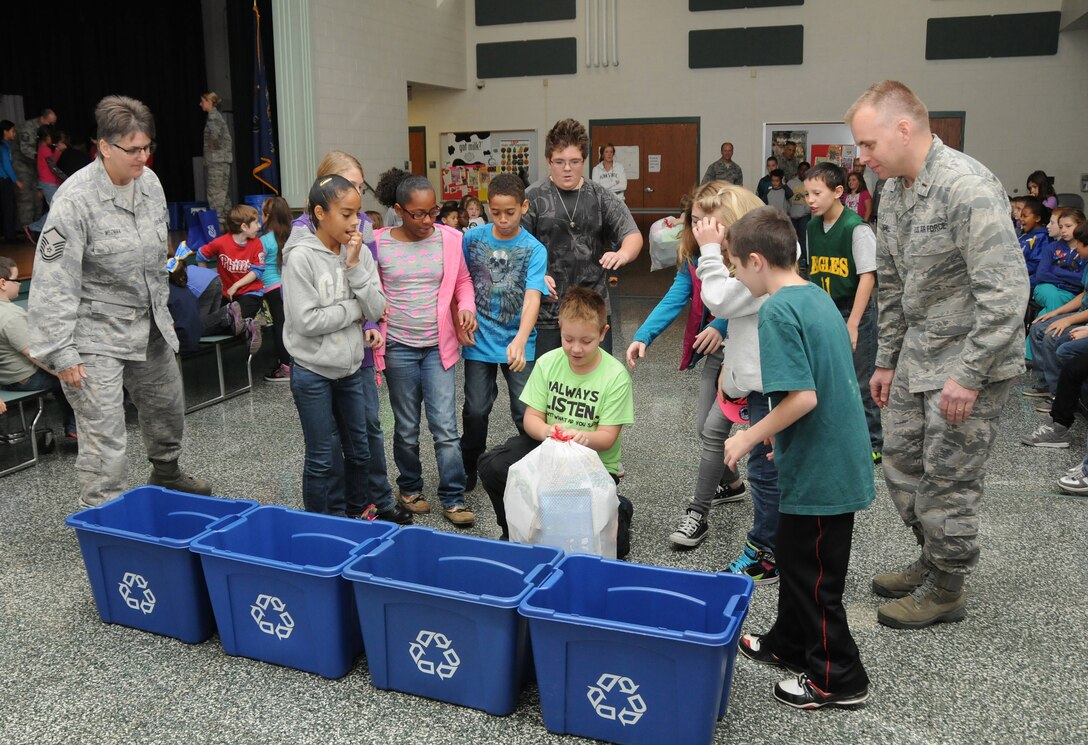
x: 938, y: 599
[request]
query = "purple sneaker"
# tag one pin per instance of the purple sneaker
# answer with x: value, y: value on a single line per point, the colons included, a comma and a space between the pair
x: 253, y: 334
x: 234, y: 318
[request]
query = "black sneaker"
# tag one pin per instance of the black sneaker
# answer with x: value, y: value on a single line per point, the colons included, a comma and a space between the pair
x: 757, y: 563
x: 396, y: 514
x: 727, y: 494
x: 691, y: 531
x: 800, y: 693
x: 751, y: 646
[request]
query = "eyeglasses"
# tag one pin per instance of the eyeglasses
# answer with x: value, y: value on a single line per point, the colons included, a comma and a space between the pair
x: 16, y: 281
x: 133, y: 151
x: 420, y: 214
x: 562, y: 164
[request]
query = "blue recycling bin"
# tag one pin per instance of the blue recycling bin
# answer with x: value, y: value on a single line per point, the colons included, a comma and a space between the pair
x: 277, y: 594
x: 136, y: 550
x: 438, y: 614
x: 635, y: 654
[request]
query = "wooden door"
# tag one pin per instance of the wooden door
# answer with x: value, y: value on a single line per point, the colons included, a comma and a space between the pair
x: 948, y: 125
x: 417, y: 150
x: 671, y: 147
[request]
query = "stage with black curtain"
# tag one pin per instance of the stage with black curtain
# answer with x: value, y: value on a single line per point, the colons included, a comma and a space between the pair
x: 67, y: 55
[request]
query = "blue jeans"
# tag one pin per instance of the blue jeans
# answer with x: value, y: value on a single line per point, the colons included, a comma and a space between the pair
x: 416, y: 376
x: 43, y: 381
x: 47, y: 190
x: 334, y: 417
x: 481, y: 389
x: 378, y: 490
x: 864, y: 367
x: 1044, y: 352
x: 763, y: 479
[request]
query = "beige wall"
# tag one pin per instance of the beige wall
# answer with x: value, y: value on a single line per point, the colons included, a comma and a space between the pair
x: 364, y: 53
x: 1022, y: 113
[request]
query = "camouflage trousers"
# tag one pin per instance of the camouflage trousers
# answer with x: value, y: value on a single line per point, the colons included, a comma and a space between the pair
x: 26, y: 199
x: 218, y: 183
x: 934, y: 470
x: 155, y: 388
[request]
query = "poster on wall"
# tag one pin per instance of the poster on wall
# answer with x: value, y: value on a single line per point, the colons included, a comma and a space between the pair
x: 780, y: 137
x: 471, y: 159
x: 627, y: 156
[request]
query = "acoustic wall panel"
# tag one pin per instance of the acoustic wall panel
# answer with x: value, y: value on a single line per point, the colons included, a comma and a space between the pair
x: 759, y: 46
x: 1010, y: 35
x: 496, y: 12
x: 696, y: 5
x: 512, y: 59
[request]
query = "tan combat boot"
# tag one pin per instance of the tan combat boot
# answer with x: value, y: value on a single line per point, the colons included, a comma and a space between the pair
x: 939, y: 599
x: 168, y: 475
x: 902, y: 583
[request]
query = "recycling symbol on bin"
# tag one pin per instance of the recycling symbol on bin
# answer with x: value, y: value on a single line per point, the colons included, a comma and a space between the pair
x: 598, y: 696
x: 143, y: 600
x: 272, y: 617
x: 450, y: 661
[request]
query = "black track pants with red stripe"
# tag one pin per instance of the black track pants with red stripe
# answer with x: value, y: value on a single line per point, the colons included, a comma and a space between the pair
x: 813, y: 552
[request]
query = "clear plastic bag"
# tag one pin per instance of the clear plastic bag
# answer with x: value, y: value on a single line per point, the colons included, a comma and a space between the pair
x: 561, y: 495
x: 665, y: 242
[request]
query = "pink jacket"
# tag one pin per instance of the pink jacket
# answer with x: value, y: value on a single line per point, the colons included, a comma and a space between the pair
x: 456, y: 288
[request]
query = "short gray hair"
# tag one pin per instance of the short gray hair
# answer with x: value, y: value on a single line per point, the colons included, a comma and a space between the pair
x: 118, y: 117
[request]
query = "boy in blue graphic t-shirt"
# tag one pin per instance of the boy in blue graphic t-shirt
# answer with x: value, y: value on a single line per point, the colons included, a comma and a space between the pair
x: 507, y: 266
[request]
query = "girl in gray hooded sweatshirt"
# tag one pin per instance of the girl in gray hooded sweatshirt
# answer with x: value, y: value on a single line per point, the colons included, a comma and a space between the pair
x: 330, y: 285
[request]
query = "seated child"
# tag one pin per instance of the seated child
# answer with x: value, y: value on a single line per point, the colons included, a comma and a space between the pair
x: 585, y: 392
x: 1058, y: 276
x: 239, y: 257
x: 18, y: 370
x: 817, y: 419
x: 183, y: 305
x: 1033, y: 234
x: 507, y: 265
x: 1051, y: 332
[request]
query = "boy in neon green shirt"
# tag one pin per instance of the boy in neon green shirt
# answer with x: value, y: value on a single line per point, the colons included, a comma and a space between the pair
x: 579, y: 389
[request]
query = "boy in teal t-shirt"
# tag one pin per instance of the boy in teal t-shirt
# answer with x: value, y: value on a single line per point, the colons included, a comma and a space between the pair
x: 507, y: 265
x: 578, y: 388
x: 821, y: 449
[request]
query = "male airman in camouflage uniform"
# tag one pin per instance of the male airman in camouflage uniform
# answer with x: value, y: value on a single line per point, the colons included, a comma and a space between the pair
x: 952, y: 292
x: 724, y: 169
x: 25, y: 161
x: 98, y: 314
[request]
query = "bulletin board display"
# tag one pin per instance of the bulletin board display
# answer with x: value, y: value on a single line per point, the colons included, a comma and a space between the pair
x: 471, y: 159
x: 817, y: 142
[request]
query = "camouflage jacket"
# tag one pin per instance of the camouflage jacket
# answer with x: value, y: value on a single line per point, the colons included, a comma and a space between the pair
x: 719, y: 170
x: 952, y: 285
x: 98, y: 271
x: 218, y: 144
x: 26, y: 137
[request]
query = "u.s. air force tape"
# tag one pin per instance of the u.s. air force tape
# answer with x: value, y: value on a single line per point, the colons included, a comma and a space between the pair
x: 51, y: 244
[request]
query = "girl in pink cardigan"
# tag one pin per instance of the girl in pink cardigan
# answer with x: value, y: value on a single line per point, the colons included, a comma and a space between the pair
x: 431, y: 305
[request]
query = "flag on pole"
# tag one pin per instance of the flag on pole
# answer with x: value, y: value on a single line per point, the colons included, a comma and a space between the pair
x: 266, y: 168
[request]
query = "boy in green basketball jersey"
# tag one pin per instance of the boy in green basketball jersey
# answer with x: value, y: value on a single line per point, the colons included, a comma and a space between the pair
x: 842, y: 258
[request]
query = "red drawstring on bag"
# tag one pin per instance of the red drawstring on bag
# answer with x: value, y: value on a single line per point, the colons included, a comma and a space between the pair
x: 561, y: 436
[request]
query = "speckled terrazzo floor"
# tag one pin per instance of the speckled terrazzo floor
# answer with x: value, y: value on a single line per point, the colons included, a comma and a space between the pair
x: 1012, y: 672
